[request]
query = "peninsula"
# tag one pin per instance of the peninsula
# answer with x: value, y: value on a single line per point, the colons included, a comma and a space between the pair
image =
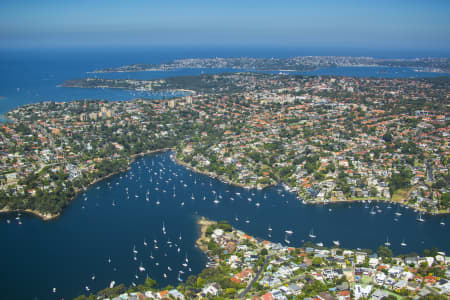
x: 244, y: 267
x: 326, y: 138
x: 297, y: 63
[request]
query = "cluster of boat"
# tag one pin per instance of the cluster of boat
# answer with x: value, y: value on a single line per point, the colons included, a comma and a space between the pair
x: 163, y: 182
x: 158, y: 246
x: 17, y: 218
x: 311, y: 235
x: 376, y: 209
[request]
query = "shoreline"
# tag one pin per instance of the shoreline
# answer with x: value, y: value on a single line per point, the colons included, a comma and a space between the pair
x: 48, y: 217
x: 169, y: 69
x: 213, y: 175
x: 416, y: 209
x: 41, y: 215
x: 202, y: 241
x: 241, y: 237
x: 161, y: 92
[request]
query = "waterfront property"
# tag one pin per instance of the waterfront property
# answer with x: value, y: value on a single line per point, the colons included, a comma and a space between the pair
x: 321, y: 137
x: 327, y: 139
x: 116, y: 216
x: 259, y: 269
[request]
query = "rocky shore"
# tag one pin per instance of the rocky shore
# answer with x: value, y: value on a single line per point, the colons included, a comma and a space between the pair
x: 202, y: 241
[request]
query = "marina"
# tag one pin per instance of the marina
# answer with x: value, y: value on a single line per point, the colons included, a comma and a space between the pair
x: 117, y: 237
x: 276, y: 150
x: 112, y: 233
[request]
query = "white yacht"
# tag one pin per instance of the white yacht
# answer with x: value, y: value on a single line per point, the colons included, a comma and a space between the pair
x: 420, y: 217
x: 141, y: 268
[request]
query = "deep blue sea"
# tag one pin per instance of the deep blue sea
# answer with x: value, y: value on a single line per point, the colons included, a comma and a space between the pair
x: 28, y: 76
x: 95, y: 239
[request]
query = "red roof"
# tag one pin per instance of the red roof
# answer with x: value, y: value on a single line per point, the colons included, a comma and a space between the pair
x: 267, y: 296
x: 235, y: 279
x: 163, y: 294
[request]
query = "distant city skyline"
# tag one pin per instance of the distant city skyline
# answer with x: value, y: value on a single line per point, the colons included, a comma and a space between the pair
x: 339, y: 24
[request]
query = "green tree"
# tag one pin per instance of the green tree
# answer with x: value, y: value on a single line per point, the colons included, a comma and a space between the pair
x: 384, y: 251
x: 317, y: 261
x: 150, y: 283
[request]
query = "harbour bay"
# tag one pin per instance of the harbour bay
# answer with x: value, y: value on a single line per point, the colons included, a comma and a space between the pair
x: 35, y: 75
x: 78, y: 245
x: 107, y: 222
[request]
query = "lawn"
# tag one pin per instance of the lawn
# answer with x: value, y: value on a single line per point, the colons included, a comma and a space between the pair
x: 400, y: 195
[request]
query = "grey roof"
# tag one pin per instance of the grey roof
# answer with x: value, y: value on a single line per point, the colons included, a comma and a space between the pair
x: 380, y: 294
x: 342, y: 286
x: 294, y: 287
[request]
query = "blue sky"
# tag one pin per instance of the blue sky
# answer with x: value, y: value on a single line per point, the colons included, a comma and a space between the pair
x: 395, y: 24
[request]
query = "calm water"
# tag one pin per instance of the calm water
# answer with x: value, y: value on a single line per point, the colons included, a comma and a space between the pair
x: 66, y: 253
x: 29, y: 76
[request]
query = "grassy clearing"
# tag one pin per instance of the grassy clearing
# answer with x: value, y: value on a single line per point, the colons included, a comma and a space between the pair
x: 400, y: 195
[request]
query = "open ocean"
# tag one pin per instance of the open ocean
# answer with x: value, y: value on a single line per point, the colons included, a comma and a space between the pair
x: 68, y: 252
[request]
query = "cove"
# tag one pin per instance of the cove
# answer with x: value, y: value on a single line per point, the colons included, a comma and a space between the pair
x: 129, y: 209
